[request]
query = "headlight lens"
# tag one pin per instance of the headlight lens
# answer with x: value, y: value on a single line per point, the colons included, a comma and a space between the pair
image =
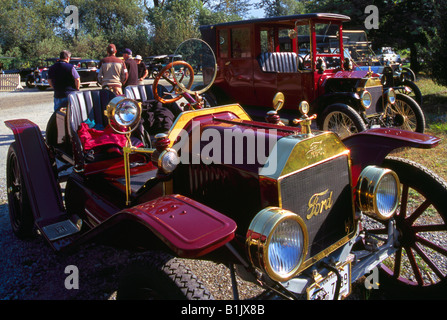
x: 286, y: 245
x: 378, y: 192
x: 277, y: 242
x: 366, y: 99
x: 124, y: 114
x: 391, y: 96
x: 168, y: 160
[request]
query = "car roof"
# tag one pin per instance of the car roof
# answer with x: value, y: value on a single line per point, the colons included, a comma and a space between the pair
x: 285, y: 19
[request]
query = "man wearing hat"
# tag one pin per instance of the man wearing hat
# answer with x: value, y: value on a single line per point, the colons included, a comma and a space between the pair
x: 112, y: 71
x: 132, y: 68
x: 142, y: 70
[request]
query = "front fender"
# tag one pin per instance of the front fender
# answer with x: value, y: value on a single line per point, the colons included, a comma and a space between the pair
x: 350, y: 98
x: 370, y: 147
x: 189, y: 228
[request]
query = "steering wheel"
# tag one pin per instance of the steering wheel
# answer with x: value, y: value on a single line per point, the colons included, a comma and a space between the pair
x: 177, y: 86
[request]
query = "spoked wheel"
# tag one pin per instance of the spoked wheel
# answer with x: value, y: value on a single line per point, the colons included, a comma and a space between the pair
x: 159, y: 276
x: 406, y: 114
x: 341, y: 119
x: 419, y: 266
x: 412, y: 90
x: 20, y: 214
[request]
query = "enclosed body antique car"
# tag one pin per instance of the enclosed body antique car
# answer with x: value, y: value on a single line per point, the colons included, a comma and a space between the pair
x: 302, y: 56
x: 86, y: 68
x: 296, y: 211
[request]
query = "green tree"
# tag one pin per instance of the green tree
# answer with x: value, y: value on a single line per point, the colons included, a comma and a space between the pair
x: 273, y: 8
x: 437, y: 44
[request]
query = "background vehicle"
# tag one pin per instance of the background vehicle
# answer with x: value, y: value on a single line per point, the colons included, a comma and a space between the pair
x: 307, y: 216
x: 155, y: 63
x: 394, y: 75
x: 260, y: 57
x: 86, y: 68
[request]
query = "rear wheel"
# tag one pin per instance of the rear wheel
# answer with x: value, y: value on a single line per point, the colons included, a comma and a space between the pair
x: 341, y: 119
x: 419, y: 266
x: 20, y: 213
x: 159, y: 276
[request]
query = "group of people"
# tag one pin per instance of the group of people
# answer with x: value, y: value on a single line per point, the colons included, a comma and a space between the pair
x: 114, y: 73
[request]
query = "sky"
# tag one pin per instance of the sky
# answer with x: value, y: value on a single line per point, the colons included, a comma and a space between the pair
x: 257, y: 13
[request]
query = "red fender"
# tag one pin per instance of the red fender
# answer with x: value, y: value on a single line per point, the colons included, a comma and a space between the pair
x: 370, y: 147
x: 187, y: 227
x: 39, y: 178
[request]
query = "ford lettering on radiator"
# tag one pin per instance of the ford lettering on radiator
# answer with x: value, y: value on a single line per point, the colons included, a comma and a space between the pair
x: 318, y: 203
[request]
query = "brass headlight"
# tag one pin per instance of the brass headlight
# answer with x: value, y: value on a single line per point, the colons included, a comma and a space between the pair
x: 391, y: 96
x: 124, y: 114
x: 168, y: 160
x: 378, y: 192
x: 366, y: 99
x: 277, y: 242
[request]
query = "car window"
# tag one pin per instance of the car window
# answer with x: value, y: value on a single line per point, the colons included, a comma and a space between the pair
x: 267, y: 40
x: 223, y: 43
x: 240, y: 43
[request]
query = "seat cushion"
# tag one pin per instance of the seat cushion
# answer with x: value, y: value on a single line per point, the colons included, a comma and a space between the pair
x: 278, y: 62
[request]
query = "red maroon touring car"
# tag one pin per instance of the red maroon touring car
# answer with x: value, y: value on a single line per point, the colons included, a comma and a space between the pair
x: 294, y: 210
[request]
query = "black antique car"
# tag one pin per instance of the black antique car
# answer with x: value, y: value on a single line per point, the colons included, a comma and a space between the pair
x: 87, y: 69
x: 296, y: 211
x: 393, y: 74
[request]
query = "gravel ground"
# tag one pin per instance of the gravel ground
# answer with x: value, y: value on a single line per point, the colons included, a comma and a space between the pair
x: 30, y: 270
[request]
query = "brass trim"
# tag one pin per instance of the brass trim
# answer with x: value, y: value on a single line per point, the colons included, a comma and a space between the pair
x: 366, y: 191
x: 297, y: 152
x: 259, y: 236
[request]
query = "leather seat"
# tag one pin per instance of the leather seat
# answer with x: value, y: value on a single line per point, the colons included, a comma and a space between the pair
x: 82, y: 106
x: 279, y: 62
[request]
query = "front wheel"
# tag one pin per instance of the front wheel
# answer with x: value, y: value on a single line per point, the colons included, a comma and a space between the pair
x: 405, y: 114
x: 341, y: 119
x: 419, y: 266
x: 411, y: 89
x: 159, y: 276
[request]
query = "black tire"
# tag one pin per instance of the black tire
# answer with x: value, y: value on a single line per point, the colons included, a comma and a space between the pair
x: 408, y: 74
x: 406, y: 114
x: 414, y: 91
x: 341, y: 119
x: 159, y: 276
x: 30, y: 82
x: 422, y: 253
x: 20, y: 213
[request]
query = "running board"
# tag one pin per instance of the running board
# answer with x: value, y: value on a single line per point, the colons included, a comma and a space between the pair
x: 60, y: 230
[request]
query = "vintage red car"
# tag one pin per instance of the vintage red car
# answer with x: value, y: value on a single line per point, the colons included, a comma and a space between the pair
x: 294, y: 210
x: 302, y: 56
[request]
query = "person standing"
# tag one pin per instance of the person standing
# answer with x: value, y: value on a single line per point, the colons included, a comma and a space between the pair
x: 142, y: 70
x: 112, y: 71
x: 132, y: 68
x: 63, y: 78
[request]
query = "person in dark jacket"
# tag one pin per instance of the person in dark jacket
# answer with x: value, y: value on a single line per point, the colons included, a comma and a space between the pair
x: 132, y: 68
x: 63, y: 78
